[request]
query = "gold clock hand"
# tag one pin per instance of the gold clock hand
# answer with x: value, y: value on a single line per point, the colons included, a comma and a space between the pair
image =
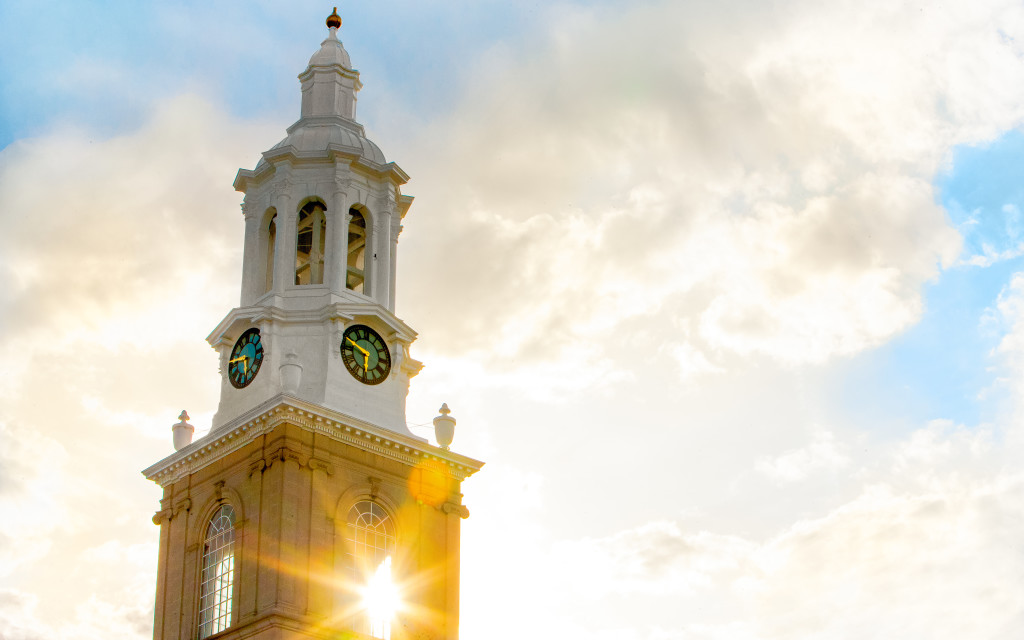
x: 245, y: 363
x: 366, y: 360
x: 354, y: 344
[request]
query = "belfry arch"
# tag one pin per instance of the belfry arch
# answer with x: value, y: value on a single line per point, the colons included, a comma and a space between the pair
x: 310, y: 242
x: 268, y: 247
x: 359, y: 240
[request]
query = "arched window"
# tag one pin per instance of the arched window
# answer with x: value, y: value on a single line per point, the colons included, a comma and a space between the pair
x: 310, y: 239
x: 271, y: 251
x: 356, y: 265
x: 216, y: 591
x: 371, y: 545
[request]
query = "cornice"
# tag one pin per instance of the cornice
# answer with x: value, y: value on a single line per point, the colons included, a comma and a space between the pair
x: 346, y: 311
x: 404, y: 202
x: 340, y: 121
x: 333, y: 153
x: 338, y: 426
x: 340, y: 69
x: 352, y: 310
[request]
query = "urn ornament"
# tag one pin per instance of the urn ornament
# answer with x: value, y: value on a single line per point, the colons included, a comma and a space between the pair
x: 444, y: 427
x: 182, y: 432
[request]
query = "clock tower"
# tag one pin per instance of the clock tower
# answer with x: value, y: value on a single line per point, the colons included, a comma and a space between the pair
x: 310, y: 510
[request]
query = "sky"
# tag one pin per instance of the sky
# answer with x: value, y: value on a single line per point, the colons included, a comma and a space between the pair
x: 728, y: 295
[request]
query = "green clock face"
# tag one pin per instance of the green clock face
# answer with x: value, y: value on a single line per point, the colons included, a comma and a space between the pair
x: 365, y: 354
x: 246, y: 358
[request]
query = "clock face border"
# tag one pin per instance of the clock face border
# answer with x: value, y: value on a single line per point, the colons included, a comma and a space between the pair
x: 248, y: 345
x: 361, y: 345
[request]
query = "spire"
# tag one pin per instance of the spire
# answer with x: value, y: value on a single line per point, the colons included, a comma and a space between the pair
x: 329, y: 83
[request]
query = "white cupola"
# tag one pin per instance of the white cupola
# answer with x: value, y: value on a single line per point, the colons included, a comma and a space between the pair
x: 323, y: 211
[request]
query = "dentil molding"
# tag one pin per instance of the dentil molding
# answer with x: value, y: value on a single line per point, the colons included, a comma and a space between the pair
x: 284, y: 409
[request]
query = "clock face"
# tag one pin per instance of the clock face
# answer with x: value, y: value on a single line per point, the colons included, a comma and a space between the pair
x: 246, y: 358
x: 365, y: 354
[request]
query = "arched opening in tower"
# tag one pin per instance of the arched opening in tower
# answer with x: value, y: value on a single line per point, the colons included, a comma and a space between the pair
x: 310, y: 239
x: 271, y: 251
x: 355, y: 272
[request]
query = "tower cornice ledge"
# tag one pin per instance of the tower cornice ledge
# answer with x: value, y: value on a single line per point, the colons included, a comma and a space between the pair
x: 335, y: 67
x: 338, y: 426
x: 344, y: 311
x: 340, y: 121
x: 334, y: 153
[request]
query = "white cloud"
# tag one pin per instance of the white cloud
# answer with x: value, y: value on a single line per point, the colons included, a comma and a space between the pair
x: 32, y: 476
x: 822, y: 453
x: 118, y: 266
x: 938, y: 559
x: 1009, y: 314
x: 926, y: 563
x: 769, y: 188
x: 96, y: 618
x: 655, y: 559
x: 17, y: 616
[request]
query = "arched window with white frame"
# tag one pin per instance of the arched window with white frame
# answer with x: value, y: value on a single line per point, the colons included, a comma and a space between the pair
x: 371, y: 546
x: 216, y: 589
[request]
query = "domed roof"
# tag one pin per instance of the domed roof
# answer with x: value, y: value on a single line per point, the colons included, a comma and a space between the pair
x: 331, y: 52
x: 317, y: 138
x: 329, y: 86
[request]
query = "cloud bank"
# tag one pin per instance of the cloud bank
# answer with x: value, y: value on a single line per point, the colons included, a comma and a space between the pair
x: 758, y: 176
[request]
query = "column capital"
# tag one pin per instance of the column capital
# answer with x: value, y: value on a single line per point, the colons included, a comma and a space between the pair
x: 342, y: 178
x: 385, y: 201
x: 283, y: 184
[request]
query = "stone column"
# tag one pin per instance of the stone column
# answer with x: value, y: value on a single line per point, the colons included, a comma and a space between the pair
x: 433, y: 553
x: 381, y: 250
x: 396, y: 228
x: 294, y: 515
x: 337, y: 237
x: 192, y: 577
x: 316, y: 259
x: 284, y: 249
x: 177, y: 586
x: 162, y: 519
x: 271, y: 502
x: 451, y: 551
x: 248, y: 541
x: 250, y: 254
x: 322, y: 578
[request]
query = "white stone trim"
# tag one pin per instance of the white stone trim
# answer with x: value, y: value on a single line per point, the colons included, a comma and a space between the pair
x: 337, y: 426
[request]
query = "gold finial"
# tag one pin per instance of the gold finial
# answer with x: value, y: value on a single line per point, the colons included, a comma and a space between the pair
x: 334, y: 20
